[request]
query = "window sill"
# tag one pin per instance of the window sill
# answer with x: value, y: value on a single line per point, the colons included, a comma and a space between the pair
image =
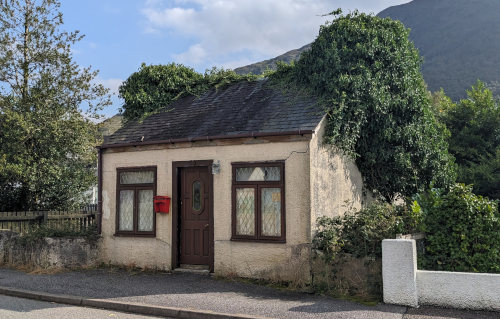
x: 134, y: 235
x: 257, y: 240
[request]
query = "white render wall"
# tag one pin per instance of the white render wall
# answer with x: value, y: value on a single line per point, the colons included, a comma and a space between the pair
x: 335, y: 181
x: 404, y: 285
x: 399, y: 265
x: 459, y: 289
x: 283, y: 261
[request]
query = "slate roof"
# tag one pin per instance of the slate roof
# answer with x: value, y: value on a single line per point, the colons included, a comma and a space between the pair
x: 239, y: 109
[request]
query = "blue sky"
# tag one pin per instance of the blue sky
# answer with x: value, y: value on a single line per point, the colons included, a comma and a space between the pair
x: 122, y: 34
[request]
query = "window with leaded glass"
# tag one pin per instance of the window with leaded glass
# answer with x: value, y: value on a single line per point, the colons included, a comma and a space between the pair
x: 136, y: 188
x: 258, y: 202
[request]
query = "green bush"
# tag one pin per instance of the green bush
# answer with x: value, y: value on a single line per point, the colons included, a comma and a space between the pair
x: 360, y: 234
x: 463, y: 231
x: 351, y: 249
x: 462, y: 234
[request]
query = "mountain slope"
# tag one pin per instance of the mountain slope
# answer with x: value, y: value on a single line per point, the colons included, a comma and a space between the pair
x: 458, y: 39
x: 111, y: 125
x: 260, y: 67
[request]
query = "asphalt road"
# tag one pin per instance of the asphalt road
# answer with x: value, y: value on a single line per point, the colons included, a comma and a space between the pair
x: 223, y: 296
x: 196, y: 292
x: 19, y: 308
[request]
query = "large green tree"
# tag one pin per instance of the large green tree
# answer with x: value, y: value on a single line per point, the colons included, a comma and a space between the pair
x: 154, y: 87
x: 47, y: 140
x: 367, y: 75
x: 474, y: 124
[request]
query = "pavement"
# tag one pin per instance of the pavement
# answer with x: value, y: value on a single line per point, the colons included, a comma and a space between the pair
x: 196, y: 296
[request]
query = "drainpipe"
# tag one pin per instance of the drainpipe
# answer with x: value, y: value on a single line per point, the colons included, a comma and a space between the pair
x: 99, y: 190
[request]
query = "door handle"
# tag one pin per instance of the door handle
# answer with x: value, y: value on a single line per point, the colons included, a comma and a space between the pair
x: 206, y: 226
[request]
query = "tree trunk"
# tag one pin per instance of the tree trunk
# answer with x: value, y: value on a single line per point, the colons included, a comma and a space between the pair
x: 27, y: 16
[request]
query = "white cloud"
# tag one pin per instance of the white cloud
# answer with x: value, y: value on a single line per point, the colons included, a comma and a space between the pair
x: 244, y: 30
x: 112, y: 84
x: 223, y: 28
x: 196, y: 54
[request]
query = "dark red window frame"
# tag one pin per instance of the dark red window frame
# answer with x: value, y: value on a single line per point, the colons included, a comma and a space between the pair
x: 258, y: 185
x: 135, y: 187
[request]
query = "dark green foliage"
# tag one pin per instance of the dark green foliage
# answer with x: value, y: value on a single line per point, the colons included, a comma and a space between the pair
x: 155, y: 86
x: 367, y: 75
x: 474, y: 124
x: 360, y: 233
x: 47, y: 142
x: 351, y: 249
x: 462, y: 231
x: 327, y: 238
x: 485, y: 175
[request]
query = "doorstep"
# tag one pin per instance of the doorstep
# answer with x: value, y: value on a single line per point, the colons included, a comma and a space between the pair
x: 193, y: 269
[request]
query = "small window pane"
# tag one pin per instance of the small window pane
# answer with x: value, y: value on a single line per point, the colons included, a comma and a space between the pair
x: 197, y: 196
x: 254, y: 174
x: 146, y: 212
x: 271, y: 211
x: 126, y: 217
x: 141, y: 177
x: 245, y: 211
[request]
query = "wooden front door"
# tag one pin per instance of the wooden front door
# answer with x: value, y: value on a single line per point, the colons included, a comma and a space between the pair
x: 195, y: 217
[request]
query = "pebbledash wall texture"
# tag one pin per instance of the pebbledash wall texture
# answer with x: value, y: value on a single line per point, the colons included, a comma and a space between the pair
x: 317, y: 182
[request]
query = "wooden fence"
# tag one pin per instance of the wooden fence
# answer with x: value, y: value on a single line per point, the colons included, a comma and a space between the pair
x: 22, y: 221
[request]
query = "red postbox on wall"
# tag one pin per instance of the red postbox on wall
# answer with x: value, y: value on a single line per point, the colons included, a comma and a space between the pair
x: 162, y: 204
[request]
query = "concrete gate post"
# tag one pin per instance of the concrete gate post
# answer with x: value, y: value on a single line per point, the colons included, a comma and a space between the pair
x: 399, y: 272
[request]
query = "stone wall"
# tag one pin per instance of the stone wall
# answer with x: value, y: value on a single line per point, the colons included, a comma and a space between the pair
x: 48, y: 252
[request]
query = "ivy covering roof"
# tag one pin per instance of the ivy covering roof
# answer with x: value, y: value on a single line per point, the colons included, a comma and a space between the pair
x: 243, y: 108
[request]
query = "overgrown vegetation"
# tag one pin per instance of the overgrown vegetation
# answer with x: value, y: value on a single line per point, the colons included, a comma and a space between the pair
x: 366, y: 74
x: 462, y: 230
x: 154, y: 87
x: 461, y: 235
x: 350, y: 249
x: 359, y: 233
x: 47, y: 103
